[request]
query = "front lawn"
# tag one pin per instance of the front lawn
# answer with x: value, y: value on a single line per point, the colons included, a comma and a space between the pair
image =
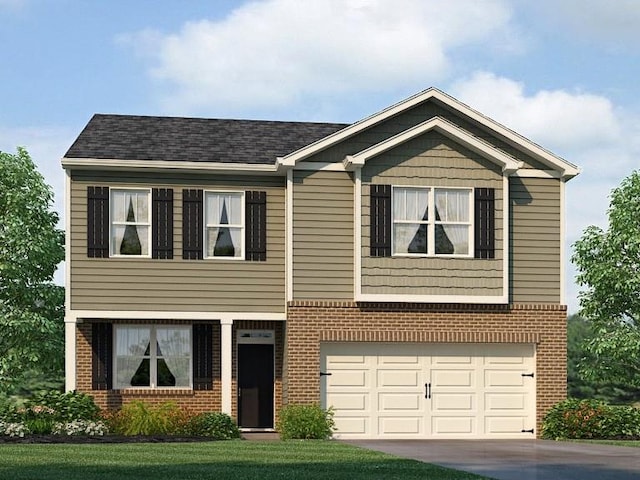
x: 235, y: 460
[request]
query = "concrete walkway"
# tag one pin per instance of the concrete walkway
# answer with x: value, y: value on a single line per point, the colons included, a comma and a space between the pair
x: 519, y: 459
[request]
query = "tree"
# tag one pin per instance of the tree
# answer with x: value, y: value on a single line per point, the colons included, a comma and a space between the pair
x: 31, y: 247
x: 608, y: 264
x: 579, y: 333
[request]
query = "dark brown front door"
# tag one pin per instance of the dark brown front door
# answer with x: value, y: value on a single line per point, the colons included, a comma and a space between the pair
x: 255, y: 385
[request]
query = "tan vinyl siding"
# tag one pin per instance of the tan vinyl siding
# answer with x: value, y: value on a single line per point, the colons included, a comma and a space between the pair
x: 431, y: 160
x: 177, y: 284
x: 322, y: 235
x: 535, y: 240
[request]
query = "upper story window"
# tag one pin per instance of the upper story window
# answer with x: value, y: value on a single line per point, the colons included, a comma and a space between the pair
x: 152, y: 356
x: 432, y: 221
x: 224, y: 224
x: 130, y: 222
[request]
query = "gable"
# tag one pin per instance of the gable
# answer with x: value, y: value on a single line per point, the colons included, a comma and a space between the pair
x: 420, y: 108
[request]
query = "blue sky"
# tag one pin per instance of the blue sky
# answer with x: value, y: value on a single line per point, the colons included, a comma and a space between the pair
x: 563, y: 73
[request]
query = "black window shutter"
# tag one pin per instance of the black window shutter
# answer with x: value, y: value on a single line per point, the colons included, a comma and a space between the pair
x: 102, y: 356
x: 485, y: 223
x: 202, y: 356
x: 98, y: 222
x: 192, y: 228
x: 256, y: 226
x: 162, y: 223
x: 380, y: 236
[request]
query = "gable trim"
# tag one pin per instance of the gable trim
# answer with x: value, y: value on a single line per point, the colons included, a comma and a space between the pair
x: 509, y: 164
x: 566, y: 169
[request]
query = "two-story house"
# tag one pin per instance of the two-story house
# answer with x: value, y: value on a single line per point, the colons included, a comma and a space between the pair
x: 406, y: 270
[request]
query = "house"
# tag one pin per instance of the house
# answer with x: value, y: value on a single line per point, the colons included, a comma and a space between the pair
x: 406, y: 269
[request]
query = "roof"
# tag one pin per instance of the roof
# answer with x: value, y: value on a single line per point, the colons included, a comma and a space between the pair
x: 176, y: 139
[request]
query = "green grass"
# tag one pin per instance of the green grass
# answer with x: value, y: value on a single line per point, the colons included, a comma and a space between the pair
x: 235, y: 460
x: 617, y: 443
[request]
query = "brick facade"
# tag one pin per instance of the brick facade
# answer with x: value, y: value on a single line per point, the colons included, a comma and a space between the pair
x: 195, y: 400
x: 311, y: 322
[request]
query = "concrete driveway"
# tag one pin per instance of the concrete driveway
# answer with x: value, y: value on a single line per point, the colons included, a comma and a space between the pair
x: 519, y: 459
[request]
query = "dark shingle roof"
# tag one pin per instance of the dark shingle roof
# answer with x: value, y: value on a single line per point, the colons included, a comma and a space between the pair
x: 131, y: 137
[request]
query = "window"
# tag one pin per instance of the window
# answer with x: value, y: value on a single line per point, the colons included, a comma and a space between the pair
x: 152, y: 356
x: 130, y: 223
x: 224, y: 225
x: 431, y: 221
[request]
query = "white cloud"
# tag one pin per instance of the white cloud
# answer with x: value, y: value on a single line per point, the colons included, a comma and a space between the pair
x: 586, y: 129
x: 557, y: 119
x: 273, y: 52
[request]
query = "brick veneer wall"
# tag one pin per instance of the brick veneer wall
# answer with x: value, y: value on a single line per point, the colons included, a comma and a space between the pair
x: 311, y: 322
x: 195, y: 400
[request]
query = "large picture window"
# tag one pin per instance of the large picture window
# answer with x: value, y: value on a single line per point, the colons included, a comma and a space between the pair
x: 130, y: 222
x: 224, y: 225
x: 152, y: 356
x: 432, y: 221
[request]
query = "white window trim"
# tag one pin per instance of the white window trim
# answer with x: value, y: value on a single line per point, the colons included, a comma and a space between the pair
x: 147, y: 224
x: 242, y: 225
x: 153, y: 365
x: 431, y: 223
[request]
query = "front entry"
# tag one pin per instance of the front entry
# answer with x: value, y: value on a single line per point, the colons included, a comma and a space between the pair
x: 255, y: 385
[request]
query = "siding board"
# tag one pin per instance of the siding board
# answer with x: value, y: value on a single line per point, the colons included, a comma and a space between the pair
x: 177, y: 284
x: 535, y: 241
x: 322, y: 235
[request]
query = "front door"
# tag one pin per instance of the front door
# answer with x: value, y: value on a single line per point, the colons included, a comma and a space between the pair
x: 255, y: 385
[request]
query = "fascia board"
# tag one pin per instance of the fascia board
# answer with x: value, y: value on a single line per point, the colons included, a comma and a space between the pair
x: 161, y: 165
x: 448, y: 129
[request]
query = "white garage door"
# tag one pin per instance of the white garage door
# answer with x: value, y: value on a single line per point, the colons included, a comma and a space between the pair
x: 382, y: 390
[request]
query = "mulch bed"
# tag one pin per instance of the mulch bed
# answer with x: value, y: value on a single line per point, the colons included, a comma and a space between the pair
x: 79, y: 439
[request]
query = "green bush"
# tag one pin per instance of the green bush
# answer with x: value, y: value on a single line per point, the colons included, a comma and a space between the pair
x: 219, y: 426
x: 585, y: 419
x: 305, y: 422
x: 139, y: 418
x: 66, y: 406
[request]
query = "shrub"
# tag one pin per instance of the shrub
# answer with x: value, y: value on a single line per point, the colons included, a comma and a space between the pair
x: 13, y: 429
x: 573, y: 418
x: 305, y: 422
x: 219, y: 426
x: 139, y: 418
x: 80, y: 427
x: 67, y: 406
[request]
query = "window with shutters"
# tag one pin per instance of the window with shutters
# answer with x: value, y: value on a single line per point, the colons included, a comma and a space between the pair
x: 147, y: 356
x: 130, y: 222
x: 431, y: 221
x: 224, y: 224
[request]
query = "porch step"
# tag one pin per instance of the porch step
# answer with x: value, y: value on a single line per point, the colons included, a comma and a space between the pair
x: 266, y: 436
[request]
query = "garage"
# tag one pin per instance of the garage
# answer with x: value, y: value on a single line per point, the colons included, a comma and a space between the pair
x: 403, y: 391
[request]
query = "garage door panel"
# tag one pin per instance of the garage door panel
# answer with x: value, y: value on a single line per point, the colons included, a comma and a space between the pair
x: 347, y: 378
x: 453, y: 401
x: 505, y: 401
x: 411, y: 425
x: 504, y: 378
x: 452, y: 378
x: 399, y: 361
x: 451, y: 425
x: 398, y: 378
x: 352, y: 425
x: 506, y: 425
x: 348, y: 401
x: 399, y: 401
x: 453, y: 360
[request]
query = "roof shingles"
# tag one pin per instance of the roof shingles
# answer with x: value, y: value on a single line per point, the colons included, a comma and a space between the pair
x: 132, y: 137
